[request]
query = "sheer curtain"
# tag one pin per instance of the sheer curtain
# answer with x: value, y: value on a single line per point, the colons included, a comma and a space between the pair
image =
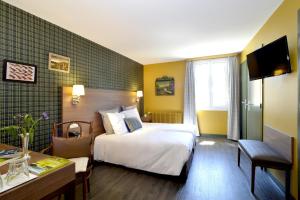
x: 190, y: 114
x: 233, y: 122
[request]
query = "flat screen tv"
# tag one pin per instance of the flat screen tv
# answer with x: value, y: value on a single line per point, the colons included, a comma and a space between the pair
x: 270, y: 60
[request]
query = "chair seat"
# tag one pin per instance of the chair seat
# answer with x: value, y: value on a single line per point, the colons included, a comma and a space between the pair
x: 80, y: 164
x: 260, y: 151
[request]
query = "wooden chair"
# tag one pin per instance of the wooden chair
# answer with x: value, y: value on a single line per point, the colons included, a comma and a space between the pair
x: 77, y: 149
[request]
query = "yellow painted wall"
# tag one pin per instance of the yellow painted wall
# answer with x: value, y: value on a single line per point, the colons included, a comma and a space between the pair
x: 280, y: 93
x: 211, y: 121
x: 164, y: 103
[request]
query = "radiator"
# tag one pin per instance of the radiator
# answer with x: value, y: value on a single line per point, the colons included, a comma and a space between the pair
x: 167, y: 116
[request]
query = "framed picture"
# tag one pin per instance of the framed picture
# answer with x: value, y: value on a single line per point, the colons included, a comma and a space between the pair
x: 165, y: 86
x: 59, y: 63
x: 19, y: 72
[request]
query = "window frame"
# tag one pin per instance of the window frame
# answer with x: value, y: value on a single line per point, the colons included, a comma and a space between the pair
x: 211, y: 106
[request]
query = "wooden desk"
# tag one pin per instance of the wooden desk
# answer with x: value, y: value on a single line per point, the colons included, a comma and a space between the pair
x: 60, y: 181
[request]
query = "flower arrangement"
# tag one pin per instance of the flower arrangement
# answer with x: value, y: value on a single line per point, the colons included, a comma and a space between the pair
x: 26, y: 125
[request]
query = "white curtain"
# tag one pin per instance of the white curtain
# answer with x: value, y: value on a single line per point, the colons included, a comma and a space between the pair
x: 190, y: 114
x: 233, y: 123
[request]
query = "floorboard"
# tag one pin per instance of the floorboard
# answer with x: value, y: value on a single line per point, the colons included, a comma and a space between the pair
x: 214, y: 175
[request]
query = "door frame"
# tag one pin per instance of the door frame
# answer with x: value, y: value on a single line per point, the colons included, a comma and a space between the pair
x: 298, y: 102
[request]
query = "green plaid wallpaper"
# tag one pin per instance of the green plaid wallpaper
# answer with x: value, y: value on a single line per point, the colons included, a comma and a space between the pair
x: 29, y: 39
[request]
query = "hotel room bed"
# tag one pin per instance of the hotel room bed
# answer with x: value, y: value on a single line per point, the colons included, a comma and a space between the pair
x: 158, y: 148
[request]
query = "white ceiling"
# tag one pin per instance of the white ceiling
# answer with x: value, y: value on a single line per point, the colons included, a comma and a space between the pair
x: 157, y: 31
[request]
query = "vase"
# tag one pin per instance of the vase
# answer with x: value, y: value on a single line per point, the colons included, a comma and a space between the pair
x: 17, y: 167
x: 25, y: 143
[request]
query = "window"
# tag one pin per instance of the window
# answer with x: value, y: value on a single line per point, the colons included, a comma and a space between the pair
x: 211, y: 84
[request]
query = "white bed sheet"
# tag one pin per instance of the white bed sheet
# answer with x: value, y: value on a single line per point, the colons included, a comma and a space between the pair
x: 158, y: 148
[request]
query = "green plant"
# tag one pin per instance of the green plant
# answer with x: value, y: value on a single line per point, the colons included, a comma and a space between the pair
x: 25, y: 124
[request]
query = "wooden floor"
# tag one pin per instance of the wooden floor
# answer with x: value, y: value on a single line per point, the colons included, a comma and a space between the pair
x: 214, y: 175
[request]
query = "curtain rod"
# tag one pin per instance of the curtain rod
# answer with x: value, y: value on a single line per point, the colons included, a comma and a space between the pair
x: 213, y: 57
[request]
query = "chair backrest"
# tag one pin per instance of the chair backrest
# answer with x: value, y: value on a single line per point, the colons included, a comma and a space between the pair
x: 280, y: 142
x: 63, y: 129
x: 71, y: 147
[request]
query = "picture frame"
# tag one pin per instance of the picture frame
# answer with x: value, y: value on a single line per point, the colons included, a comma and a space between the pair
x: 59, y: 63
x: 165, y: 86
x: 19, y: 72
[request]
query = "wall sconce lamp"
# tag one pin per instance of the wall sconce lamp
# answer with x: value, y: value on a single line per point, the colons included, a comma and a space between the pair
x: 78, y: 90
x: 139, y: 94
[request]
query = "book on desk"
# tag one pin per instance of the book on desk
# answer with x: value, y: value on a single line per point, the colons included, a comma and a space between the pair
x: 47, y: 165
x: 8, y: 155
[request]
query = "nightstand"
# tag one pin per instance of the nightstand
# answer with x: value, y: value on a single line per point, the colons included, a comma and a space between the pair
x: 146, y: 119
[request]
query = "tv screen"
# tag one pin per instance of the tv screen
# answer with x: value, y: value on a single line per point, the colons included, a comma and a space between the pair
x: 255, y: 69
x: 271, y: 60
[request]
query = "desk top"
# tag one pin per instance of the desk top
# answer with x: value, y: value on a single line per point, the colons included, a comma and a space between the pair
x: 41, y: 186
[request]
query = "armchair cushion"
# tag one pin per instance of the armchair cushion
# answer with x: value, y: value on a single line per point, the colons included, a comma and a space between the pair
x: 72, y: 147
x: 80, y: 164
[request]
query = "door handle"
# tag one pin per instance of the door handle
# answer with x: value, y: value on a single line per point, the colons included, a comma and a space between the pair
x: 245, y: 104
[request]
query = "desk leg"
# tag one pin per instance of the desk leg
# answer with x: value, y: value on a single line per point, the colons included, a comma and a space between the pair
x: 70, y: 192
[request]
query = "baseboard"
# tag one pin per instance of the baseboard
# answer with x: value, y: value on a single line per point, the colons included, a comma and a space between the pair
x: 278, y: 183
x: 203, y: 135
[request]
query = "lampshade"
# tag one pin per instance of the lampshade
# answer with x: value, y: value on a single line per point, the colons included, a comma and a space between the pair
x: 139, y: 93
x: 78, y: 90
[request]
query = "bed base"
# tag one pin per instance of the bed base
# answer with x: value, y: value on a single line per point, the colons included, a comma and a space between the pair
x: 182, y: 177
x: 186, y: 168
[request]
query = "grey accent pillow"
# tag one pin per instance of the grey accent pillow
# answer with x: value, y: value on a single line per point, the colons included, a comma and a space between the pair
x: 106, y: 122
x: 128, y: 107
x: 132, y: 123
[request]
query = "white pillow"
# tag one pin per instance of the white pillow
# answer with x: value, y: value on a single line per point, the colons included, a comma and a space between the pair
x: 117, y: 122
x: 132, y: 113
x: 128, y: 107
x: 106, y: 123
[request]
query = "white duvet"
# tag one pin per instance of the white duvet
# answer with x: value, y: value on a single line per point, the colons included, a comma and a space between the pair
x: 158, y: 148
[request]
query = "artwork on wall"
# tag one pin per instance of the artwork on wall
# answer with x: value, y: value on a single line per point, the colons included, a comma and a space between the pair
x: 165, y: 86
x: 19, y: 72
x: 59, y: 63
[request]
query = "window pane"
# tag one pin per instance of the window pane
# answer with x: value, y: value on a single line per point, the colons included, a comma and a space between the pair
x: 255, y: 92
x: 202, y: 85
x: 211, y: 84
x: 219, y: 84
